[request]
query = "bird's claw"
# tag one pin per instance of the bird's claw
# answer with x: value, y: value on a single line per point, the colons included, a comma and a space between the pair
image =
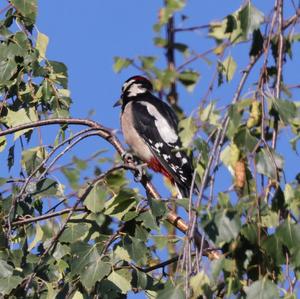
x: 128, y: 157
x: 139, y: 172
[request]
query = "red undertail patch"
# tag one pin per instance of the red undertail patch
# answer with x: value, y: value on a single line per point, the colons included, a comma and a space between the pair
x: 157, y: 167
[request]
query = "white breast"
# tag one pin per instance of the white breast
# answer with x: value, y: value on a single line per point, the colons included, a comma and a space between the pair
x: 136, y: 143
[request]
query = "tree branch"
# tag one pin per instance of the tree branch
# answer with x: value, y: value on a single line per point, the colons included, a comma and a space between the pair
x: 108, y: 134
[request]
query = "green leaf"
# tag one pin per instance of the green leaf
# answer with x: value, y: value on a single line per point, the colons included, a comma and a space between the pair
x: 251, y: 19
x: 20, y: 117
x: 37, y: 238
x: 72, y: 175
x: 158, y: 208
x: 27, y: 8
x: 189, y: 79
x: 229, y: 156
x: 11, y: 157
x: 270, y: 219
x: 188, y: 129
x: 223, y: 226
x: 41, y: 44
x: 48, y: 188
x: 2, y: 143
x: 120, y: 281
x: 160, y: 42
x: 136, y: 249
x: 244, y: 140
x: 122, y: 253
x: 266, y: 165
x: 61, y: 251
x: 6, y: 270
x: 171, y: 291
x: 119, y: 205
x: 273, y: 247
x: 289, y: 234
x: 147, y: 61
x: 8, y: 68
x: 200, y: 285
x: 74, y: 232
x: 7, y: 284
x: 95, y: 272
x: 83, y: 254
x: 257, y: 43
x: 210, y: 114
x: 237, y: 26
x: 120, y: 64
x: 148, y: 219
x: 32, y: 158
x: 287, y: 110
x: 262, y: 289
x: 96, y: 198
x: 229, y: 69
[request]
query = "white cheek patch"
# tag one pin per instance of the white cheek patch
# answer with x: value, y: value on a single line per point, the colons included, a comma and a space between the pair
x: 126, y: 84
x: 166, y: 132
x: 135, y: 89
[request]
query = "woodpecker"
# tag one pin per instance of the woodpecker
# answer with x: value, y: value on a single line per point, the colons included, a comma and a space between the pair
x: 150, y: 128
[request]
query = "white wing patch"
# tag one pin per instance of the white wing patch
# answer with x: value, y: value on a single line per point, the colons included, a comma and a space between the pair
x: 184, y: 161
x: 166, y: 132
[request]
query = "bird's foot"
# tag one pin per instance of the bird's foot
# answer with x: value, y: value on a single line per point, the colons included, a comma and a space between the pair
x: 128, y: 157
x: 139, y: 172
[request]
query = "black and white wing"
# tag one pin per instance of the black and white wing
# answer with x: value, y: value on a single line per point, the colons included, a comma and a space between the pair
x: 157, y: 123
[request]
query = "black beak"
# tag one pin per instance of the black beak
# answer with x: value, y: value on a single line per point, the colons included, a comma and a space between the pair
x: 119, y: 102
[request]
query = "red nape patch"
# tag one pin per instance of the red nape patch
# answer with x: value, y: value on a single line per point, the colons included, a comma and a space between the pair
x: 157, y: 167
x: 140, y: 78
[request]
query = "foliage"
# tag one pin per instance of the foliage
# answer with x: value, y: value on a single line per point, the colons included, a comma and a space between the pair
x: 82, y: 233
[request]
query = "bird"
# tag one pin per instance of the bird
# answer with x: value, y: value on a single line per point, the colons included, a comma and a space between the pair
x: 150, y: 129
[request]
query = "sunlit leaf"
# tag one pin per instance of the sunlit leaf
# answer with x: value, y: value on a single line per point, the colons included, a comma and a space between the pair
x: 41, y: 44
x: 120, y: 281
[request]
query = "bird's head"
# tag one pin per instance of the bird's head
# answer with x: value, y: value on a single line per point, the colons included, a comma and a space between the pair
x: 132, y: 88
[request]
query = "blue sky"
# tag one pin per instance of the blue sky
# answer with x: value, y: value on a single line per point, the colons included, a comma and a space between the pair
x: 86, y: 35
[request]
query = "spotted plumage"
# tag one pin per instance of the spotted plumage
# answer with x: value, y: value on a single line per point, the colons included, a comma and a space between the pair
x: 150, y: 128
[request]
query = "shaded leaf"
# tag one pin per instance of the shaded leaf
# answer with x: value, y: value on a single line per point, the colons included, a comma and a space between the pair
x: 96, y: 199
x: 223, y: 227
x: 74, y: 232
x: 7, y: 284
x: 267, y: 165
x: 27, y: 8
x: 251, y: 18
x: 262, y: 289
x: 8, y: 68
x: 171, y: 291
x: 6, y: 270
x: 96, y: 271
